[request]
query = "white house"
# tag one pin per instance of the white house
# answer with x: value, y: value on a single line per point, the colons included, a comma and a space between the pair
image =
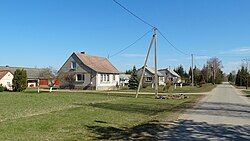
x: 124, y: 79
x: 6, y: 78
x: 148, y: 78
x: 91, y: 72
x: 171, y: 75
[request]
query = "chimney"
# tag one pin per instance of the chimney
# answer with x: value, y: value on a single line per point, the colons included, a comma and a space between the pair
x: 83, y: 52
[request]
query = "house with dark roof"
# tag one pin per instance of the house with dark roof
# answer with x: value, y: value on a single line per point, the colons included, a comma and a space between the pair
x: 170, y: 75
x: 91, y: 72
x: 6, y: 78
x: 33, y: 75
x: 148, y: 78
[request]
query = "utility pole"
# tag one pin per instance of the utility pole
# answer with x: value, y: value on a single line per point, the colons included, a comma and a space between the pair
x: 192, y: 56
x: 153, y: 41
x: 156, y: 74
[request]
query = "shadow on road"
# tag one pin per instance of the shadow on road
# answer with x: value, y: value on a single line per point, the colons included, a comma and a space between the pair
x: 223, y: 109
x: 189, y: 130
x: 181, y: 130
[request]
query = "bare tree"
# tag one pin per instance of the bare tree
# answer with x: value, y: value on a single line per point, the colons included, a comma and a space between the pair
x: 67, y: 80
x: 50, y: 75
x: 214, y: 66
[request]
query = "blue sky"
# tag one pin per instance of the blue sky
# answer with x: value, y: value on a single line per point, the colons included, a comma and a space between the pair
x: 42, y: 33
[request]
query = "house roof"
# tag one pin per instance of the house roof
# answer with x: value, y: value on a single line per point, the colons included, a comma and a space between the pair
x: 125, y: 76
x: 172, y: 72
x: 96, y: 63
x: 152, y: 70
x: 3, y: 73
x: 32, y: 73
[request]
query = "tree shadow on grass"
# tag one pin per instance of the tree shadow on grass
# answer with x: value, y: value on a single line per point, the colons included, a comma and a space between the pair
x: 147, y: 131
x: 143, y: 108
x: 181, y: 130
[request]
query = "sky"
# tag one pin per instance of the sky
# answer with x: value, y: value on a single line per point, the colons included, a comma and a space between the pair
x: 44, y: 33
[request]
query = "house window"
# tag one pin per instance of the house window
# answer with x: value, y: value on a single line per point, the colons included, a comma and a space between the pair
x: 80, y: 77
x: 73, y: 65
x: 101, y: 77
x: 114, y: 77
x: 148, y: 79
x: 107, y: 77
x: 8, y: 84
x: 104, y: 78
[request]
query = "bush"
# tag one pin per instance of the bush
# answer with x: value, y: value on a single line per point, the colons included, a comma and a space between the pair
x: 2, y: 88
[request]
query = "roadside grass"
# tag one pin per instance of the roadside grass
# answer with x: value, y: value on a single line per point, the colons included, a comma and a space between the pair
x: 81, y: 116
x: 185, y: 89
x: 247, y: 92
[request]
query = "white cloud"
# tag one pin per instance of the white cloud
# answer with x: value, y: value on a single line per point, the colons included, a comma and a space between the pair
x: 237, y: 51
x: 171, y: 60
x: 133, y: 55
x: 201, y: 57
x: 231, y: 65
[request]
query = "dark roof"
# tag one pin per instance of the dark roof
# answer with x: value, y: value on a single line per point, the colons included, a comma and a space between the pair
x: 98, y: 64
x: 32, y: 73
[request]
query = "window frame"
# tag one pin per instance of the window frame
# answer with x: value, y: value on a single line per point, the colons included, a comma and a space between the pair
x: 82, y: 76
x: 73, y: 65
x: 149, y: 80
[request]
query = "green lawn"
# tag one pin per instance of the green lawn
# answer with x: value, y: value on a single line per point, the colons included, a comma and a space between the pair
x: 185, y: 89
x: 78, y: 116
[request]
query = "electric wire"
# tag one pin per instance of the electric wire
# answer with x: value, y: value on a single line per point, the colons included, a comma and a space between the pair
x: 126, y: 9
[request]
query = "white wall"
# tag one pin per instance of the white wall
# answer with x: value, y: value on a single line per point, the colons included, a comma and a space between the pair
x: 107, y: 84
x: 162, y: 81
x: 7, y: 79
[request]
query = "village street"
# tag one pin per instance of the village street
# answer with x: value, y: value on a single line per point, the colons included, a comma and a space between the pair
x: 222, y: 115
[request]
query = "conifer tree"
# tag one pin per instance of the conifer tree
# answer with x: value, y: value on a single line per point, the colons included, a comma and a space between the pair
x: 133, y: 81
x: 20, y: 80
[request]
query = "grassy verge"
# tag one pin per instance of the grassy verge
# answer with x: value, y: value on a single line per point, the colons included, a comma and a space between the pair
x: 185, y: 89
x: 78, y: 116
x: 247, y: 92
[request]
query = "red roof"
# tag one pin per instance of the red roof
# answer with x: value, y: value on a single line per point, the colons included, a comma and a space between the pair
x: 98, y: 64
x: 3, y: 73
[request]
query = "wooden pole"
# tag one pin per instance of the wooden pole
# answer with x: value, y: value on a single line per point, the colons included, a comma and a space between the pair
x: 192, y: 55
x: 145, y: 63
x: 156, y: 74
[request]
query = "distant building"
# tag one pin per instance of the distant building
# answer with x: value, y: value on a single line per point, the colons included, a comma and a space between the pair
x: 124, y: 79
x: 148, y: 78
x: 91, y: 72
x: 33, y: 76
x: 171, y: 75
x: 6, y: 78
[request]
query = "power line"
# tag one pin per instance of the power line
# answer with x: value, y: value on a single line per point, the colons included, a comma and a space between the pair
x: 182, y: 52
x: 122, y: 50
x: 145, y: 22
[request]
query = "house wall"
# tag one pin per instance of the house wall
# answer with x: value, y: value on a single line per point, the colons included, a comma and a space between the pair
x: 169, y: 76
x: 6, y: 81
x: 89, y: 75
x: 162, y: 80
x: 148, y: 74
x: 107, y: 85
